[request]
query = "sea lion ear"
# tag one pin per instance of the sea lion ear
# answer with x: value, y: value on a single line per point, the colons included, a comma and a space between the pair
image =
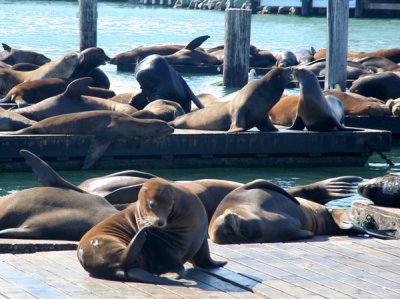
x: 6, y: 47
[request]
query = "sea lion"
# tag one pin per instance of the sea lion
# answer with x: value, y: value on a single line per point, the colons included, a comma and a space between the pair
x: 60, y: 68
x: 377, y: 63
x: 55, y: 213
x: 106, y: 126
x: 13, y: 56
x: 159, y: 80
x: 160, y: 109
x: 383, y: 191
x: 261, y: 212
x: 248, y: 109
x: 285, y: 59
x: 207, y: 99
x: 383, y: 86
x: 304, y: 56
x: 315, y: 111
x: 189, y: 55
x: 72, y: 100
x: 12, y: 121
x: 32, y: 92
x: 165, y: 228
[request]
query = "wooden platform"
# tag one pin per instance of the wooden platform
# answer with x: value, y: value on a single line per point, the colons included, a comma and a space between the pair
x: 388, y: 123
x: 336, y: 267
x: 199, y: 149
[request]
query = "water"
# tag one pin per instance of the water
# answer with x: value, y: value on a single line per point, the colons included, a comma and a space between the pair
x: 51, y: 27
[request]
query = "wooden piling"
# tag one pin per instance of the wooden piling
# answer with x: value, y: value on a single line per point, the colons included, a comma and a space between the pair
x: 237, y: 47
x: 306, y: 7
x: 338, y: 19
x: 358, y: 10
x: 87, y: 24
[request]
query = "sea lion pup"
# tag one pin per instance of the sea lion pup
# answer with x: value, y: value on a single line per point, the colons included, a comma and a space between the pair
x: 165, y: 228
x: 106, y: 126
x: 261, y: 212
x: 315, y: 111
x: 248, y: 109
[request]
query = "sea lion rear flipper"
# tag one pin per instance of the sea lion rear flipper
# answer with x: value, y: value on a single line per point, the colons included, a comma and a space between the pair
x: 197, y: 42
x: 298, y: 124
x: 6, y: 47
x: 46, y: 175
x: 266, y: 126
x: 130, y: 192
x: 78, y: 87
x: 96, y: 149
x: 203, y: 259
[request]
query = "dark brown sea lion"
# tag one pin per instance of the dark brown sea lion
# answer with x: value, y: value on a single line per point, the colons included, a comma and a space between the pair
x: 261, y: 212
x: 55, y: 213
x: 383, y: 191
x: 248, y: 109
x: 13, y: 56
x: 159, y: 80
x: 60, y: 68
x: 285, y: 59
x: 377, y: 63
x: 72, y: 100
x: 24, y: 66
x: 12, y: 121
x: 383, y: 86
x: 141, y: 52
x: 32, y: 92
x: 106, y: 126
x: 315, y: 111
x: 189, y: 55
x: 165, y: 228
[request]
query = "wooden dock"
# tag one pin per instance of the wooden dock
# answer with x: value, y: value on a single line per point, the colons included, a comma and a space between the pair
x: 199, y: 149
x: 322, y: 267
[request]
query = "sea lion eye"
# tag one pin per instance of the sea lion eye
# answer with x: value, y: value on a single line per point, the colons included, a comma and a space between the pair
x: 151, y: 204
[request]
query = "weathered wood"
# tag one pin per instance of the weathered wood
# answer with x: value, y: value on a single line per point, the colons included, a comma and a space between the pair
x: 382, y: 217
x: 237, y: 47
x: 336, y: 58
x: 87, y: 24
x: 306, y: 6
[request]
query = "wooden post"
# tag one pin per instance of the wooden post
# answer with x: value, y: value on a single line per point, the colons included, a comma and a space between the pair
x: 87, y: 23
x: 336, y: 58
x: 306, y: 7
x: 237, y: 47
x: 358, y: 10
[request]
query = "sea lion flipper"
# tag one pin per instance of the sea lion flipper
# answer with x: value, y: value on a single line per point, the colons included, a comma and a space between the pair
x: 298, y: 124
x: 266, y: 126
x: 234, y: 128
x: 45, y: 173
x: 304, y: 234
x: 96, y: 149
x: 135, y: 246
x: 191, y: 95
x: 78, y: 87
x: 203, y: 259
x: 20, y: 233
x: 6, y: 47
x: 125, y: 192
x: 197, y: 42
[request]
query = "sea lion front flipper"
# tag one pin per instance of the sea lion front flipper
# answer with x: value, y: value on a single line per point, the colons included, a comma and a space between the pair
x: 78, y: 87
x: 45, y: 174
x: 234, y: 128
x: 298, y: 124
x: 203, y: 259
x: 266, y: 126
x: 135, y: 246
x: 96, y: 149
x: 130, y: 192
x: 197, y: 42
x: 20, y: 233
x: 191, y: 95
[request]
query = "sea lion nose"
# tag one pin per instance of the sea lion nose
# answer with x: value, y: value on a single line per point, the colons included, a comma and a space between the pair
x: 160, y: 223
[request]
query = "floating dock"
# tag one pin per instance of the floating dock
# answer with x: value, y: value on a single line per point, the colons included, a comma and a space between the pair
x: 199, y: 149
x: 321, y: 267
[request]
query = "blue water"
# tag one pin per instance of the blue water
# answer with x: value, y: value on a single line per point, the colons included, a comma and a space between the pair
x: 51, y: 27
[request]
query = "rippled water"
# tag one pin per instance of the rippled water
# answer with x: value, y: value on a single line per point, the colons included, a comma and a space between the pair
x: 51, y: 27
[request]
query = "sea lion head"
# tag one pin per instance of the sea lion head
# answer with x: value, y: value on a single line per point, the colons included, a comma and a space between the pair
x: 156, y: 202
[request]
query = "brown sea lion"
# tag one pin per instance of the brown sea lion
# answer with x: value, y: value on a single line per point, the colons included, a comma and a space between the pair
x: 165, y: 228
x: 248, y: 109
x: 189, y: 55
x: 60, y: 68
x: 160, y: 109
x: 59, y: 212
x: 159, y: 80
x: 106, y: 126
x: 315, y: 111
x: 261, y: 212
x: 383, y: 86
x: 12, y: 121
x: 284, y: 112
x: 72, y: 100
x: 13, y: 56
